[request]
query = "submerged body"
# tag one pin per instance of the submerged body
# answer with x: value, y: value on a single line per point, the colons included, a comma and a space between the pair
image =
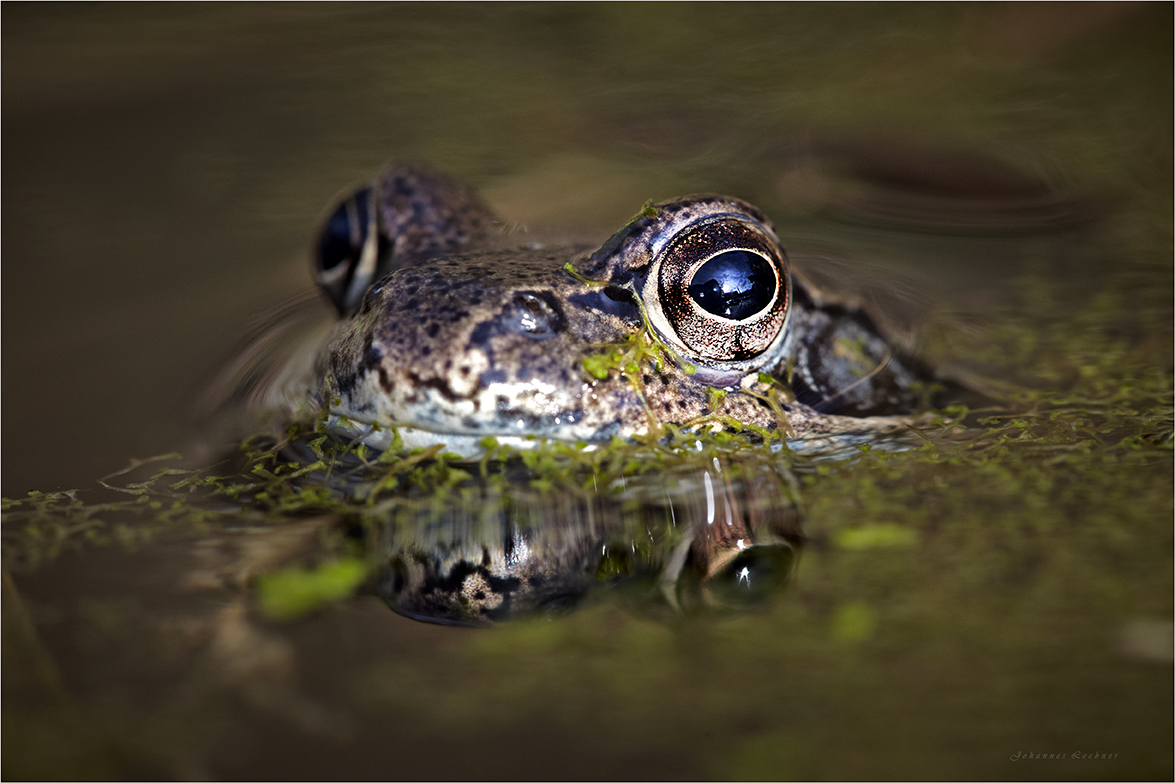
x: 689, y: 316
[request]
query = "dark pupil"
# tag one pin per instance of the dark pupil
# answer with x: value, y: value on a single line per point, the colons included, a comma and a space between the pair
x: 345, y: 232
x: 735, y: 284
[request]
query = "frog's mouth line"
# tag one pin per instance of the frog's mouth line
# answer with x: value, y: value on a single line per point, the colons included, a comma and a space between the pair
x: 833, y: 446
x: 415, y: 437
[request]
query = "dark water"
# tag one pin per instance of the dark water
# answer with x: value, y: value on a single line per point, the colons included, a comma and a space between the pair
x: 1010, y: 164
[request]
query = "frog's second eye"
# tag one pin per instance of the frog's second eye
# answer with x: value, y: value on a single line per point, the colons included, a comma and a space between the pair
x: 344, y: 259
x: 345, y: 233
x: 722, y: 292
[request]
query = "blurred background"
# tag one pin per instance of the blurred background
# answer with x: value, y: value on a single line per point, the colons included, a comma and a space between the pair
x: 167, y: 165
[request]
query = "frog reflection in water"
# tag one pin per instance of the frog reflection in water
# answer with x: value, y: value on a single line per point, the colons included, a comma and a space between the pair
x: 727, y: 545
x: 452, y: 331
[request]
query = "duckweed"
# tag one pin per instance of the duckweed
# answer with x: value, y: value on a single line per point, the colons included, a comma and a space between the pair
x: 294, y: 592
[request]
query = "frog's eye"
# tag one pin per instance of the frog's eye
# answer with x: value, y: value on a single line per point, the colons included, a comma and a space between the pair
x: 722, y: 292
x: 347, y: 252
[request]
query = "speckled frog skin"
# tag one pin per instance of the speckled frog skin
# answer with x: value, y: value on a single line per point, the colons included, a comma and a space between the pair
x: 453, y: 329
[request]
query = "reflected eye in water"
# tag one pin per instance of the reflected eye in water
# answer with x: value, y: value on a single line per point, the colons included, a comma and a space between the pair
x: 750, y: 577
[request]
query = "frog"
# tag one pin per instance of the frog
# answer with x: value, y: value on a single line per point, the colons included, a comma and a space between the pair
x: 457, y: 329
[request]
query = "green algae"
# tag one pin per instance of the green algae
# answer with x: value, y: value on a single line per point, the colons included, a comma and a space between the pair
x: 294, y: 592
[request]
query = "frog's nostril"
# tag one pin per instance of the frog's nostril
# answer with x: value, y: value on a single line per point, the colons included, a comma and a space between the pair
x: 535, y: 314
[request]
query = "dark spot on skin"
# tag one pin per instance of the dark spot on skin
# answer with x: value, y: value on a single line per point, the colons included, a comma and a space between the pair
x: 480, y: 336
x: 439, y: 384
x: 433, y: 329
x: 608, y: 430
x: 371, y: 355
x: 618, y: 294
x: 344, y: 378
x: 425, y: 351
x: 385, y: 382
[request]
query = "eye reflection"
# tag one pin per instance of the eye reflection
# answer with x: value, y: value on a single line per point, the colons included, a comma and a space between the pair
x: 736, y: 284
x: 753, y: 576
